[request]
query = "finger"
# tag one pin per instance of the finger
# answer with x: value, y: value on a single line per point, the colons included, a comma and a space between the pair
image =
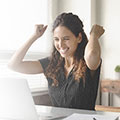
x: 40, y: 26
x: 44, y: 28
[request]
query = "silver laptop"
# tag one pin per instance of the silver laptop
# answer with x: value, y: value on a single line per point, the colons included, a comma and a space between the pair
x: 16, y: 102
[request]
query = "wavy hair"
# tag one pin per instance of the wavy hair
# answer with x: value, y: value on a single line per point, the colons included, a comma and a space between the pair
x: 75, y: 25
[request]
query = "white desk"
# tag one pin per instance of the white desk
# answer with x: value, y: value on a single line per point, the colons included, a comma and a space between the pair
x: 52, y: 113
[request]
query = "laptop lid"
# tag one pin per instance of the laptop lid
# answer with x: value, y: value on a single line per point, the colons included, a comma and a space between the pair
x: 16, y: 102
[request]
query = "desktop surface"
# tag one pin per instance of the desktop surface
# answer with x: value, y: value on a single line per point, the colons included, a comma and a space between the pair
x: 57, y: 113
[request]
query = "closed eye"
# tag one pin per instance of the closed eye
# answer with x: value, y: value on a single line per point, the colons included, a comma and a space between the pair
x: 66, y: 38
x: 56, y: 39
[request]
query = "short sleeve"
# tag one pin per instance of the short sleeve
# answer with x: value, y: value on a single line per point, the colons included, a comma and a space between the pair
x: 96, y: 75
x: 44, y: 62
x: 93, y: 81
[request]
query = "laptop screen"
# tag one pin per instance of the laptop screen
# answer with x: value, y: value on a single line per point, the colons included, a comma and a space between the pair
x: 16, y: 101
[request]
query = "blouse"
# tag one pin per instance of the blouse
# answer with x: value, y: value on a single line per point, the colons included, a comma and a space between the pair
x: 70, y: 93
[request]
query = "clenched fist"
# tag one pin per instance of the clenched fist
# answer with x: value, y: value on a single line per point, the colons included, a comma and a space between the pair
x: 97, y: 31
x: 39, y: 30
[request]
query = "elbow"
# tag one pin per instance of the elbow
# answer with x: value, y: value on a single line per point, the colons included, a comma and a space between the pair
x: 92, y: 60
x: 93, y: 66
x: 12, y: 66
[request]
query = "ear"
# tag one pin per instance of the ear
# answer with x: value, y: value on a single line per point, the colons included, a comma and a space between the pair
x: 79, y: 37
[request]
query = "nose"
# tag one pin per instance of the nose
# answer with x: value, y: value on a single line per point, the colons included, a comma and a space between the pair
x: 61, y: 43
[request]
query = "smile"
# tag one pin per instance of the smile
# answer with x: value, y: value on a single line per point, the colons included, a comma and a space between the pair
x: 63, y: 51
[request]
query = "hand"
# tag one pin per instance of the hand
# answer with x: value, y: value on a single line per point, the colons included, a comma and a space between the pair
x: 97, y: 31
x: 39, y: 30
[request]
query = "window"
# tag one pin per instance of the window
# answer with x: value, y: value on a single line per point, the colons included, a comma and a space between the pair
x: 17, y: 23
x: 18, y: 18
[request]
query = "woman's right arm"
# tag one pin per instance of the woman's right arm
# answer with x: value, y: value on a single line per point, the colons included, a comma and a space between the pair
x: 17, y: 63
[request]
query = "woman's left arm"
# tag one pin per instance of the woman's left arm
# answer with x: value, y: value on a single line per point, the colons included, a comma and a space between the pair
x: 92, y: 54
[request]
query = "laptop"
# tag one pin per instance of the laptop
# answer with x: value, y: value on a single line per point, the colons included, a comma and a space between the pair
x: 16, y: 102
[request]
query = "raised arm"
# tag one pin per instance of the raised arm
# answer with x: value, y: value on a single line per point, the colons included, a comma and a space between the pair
x: 17, y: 62
x: 92, y: 51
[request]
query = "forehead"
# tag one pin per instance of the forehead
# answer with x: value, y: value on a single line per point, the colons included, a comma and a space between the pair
x: 62, y: 31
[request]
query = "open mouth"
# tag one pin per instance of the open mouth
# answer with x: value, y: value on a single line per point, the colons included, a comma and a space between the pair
x: 63, y: 51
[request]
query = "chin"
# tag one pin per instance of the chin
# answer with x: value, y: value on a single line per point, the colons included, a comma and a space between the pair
x: 62, y: 55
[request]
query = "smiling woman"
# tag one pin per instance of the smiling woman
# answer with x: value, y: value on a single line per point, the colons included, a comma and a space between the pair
x: 73, y: 68
x: 59, y: 69
x: 65, y: 40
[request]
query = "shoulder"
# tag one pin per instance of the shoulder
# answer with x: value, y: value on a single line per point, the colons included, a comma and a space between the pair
x: 46, y: 59
x: 44, y: 62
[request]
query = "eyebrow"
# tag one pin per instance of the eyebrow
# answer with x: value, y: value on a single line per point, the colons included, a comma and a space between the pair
x: 63, y: 37
x: 55, y: 37
x: 66, y: 36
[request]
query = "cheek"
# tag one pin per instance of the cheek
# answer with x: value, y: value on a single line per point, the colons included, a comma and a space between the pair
x: 56, y: 45
x: 74, y: 46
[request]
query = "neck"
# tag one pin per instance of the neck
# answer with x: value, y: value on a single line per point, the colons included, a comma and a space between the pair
x: 69, y: 62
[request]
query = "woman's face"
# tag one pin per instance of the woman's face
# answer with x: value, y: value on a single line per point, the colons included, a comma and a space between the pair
x: 65, y: 41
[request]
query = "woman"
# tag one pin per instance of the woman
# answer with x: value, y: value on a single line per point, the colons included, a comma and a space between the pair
x: 73, y: 69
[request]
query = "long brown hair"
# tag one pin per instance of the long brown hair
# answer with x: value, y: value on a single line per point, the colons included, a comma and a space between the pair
x: 75, y: 25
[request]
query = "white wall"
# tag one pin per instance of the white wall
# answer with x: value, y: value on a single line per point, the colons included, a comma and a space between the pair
x: 82, y: 8
x: 17, y: 21
x: 108, y: 15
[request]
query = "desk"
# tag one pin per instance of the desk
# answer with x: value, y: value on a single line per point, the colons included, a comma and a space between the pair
x: 52, y: 113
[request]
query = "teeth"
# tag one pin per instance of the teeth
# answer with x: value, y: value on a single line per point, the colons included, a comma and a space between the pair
x: 63, y: 50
